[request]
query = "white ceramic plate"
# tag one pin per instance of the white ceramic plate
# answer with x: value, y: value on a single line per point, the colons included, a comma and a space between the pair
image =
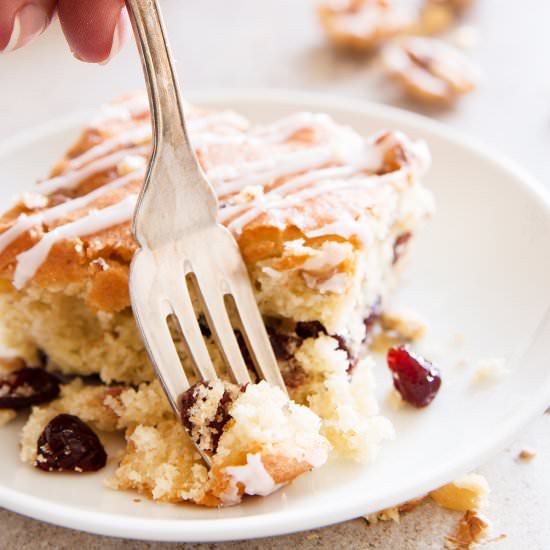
x: 480, y: 268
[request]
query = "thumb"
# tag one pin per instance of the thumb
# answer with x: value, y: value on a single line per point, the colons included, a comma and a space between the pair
x: 94, y: 29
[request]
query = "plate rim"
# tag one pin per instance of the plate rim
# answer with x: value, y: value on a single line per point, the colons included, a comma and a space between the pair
x: 256, y: 526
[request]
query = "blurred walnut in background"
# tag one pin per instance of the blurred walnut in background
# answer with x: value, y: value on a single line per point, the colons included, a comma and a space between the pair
x: 427, y: 69
x: 362, y: 25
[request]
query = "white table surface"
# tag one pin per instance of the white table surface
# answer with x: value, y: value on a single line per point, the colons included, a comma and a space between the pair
x: 278, y: 44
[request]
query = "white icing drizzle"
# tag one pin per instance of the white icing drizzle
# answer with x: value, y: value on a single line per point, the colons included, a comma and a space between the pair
x: 344, y: 228
x: 277, y: 132
x: 257, y: 207
x: 312, y: 177
x: 337, y: 283
x: 347, y: 155
x: 284, y: 129
x: 367, y: 157
x: 26, y: 222
x: 136, y: 136
x: 134, y: 106
x: 219, y: 118
x: 207, y: 139
x: 74, y: 178
x: 268, y: 170
x: 253, y: 476
x: 28, y: 262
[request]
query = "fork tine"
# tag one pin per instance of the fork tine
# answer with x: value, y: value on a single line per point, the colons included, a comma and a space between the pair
x: 254, y: 331
x: 193, y: 339
x: 218, y: 320
x: 162, y: 351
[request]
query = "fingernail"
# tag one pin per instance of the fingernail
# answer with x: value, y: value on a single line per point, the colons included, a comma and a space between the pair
x: 119, y: 36
x: 28, y: 23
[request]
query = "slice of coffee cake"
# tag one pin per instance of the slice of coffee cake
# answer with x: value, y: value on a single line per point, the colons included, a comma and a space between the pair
x: 323, y: 218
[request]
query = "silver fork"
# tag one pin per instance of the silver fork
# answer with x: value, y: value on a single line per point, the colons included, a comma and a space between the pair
x: 175, y: 225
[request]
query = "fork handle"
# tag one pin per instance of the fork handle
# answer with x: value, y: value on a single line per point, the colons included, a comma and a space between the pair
x: 164, y: 98
x: 174, y: 177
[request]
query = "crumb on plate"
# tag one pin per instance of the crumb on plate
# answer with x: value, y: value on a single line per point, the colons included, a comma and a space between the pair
x: 394, y: 400
x: 406, y: 323
x: 490, y: 370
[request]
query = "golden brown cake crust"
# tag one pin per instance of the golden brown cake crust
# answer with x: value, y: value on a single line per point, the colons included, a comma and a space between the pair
x: 275, y: 208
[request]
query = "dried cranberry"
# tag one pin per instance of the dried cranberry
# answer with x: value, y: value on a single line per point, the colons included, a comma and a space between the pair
x: 27, y: 386
x: 400, y: 245
x: 414, y: 377
x: 203, y: 325
x: 284, y: 345
x: 342, y: 344
x: 294, y: 374
x: 42, y: 357
x: 69, y: 445
x: 216, y: 424
x: 309, y: 329
x: 372, y: 317
x: 248, y: 361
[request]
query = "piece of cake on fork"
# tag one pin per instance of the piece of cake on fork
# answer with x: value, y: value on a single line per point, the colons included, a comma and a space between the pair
x: 323, y: 217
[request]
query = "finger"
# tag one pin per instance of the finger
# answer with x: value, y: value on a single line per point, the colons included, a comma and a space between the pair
x: 23, y: 20
x: 95, y: 29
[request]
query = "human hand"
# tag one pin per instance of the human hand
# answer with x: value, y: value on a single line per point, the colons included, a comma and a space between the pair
x: 94, y: 29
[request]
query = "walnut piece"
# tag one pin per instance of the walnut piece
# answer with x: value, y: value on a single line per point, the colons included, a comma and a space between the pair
x: 471, y: 529
x: 430, y: 70
x: 362, y: 25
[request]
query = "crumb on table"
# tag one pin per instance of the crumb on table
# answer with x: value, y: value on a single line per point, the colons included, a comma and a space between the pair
x: 471, y: 529
x: 526, y: 455
x: 393, y: 513
x: 468, y: 492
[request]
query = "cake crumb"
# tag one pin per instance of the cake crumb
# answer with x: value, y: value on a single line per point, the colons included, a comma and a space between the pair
x: 137, y: 500
x: 7, y: 415
x: 312, y: 536
x: 406, y: 323
x: 490, y: 369
x: 526, y: 455
x: 468, y: 492
x: 470, y: 531
x: 394, y: 513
